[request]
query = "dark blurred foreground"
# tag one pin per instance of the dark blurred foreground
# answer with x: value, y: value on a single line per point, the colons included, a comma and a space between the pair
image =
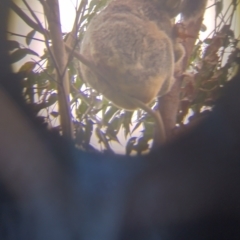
x: 190, y: 189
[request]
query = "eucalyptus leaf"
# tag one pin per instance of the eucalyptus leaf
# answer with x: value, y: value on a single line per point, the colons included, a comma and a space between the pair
x: 30, y: 36
x: 20, y: 54
x: 12, y: 45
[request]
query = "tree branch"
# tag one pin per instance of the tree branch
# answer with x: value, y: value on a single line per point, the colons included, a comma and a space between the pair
x: 26, y: 18
x: 60, y: 59
x: 169, y: 104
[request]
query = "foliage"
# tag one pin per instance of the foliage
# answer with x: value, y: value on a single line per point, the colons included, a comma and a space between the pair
x: 94, y: 117
x: 213, y: 62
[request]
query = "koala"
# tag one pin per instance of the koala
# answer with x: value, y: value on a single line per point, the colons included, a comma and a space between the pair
x: 189, y: 189
x: 132, y: 46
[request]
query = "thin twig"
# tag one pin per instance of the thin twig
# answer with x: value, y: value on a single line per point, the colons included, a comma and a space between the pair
x: 24, y: 36
x: 45, y: 33
x: 26, y: 18
x: 60, y: 59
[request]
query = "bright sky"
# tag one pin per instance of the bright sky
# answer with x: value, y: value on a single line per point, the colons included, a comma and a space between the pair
x: 67, y: 12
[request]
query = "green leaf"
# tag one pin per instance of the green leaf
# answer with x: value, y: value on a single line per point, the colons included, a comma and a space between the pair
x: 127, y: 122
x: 82, y: 109
x: 27, y: 67
x: 52, y: 99
x: 31, y: 52
x: 116, y: 123
x: 130, y: 145
x: 17, y: 55
x: 109, y: 114
x: 136, y: 126
x: 102, y: 138
x: 12, y: 45
x: 142, y: 145
x: 29, y: 37
x: 78, y: 84
x: 112, y: 133
x: 20, y: 54
x: 54, y: 114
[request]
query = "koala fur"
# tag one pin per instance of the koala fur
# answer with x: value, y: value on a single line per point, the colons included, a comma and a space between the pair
x: 131, y: 44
